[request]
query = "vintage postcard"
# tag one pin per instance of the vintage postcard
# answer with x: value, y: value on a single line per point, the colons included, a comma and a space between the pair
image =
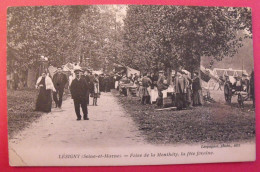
x: 112, y: 85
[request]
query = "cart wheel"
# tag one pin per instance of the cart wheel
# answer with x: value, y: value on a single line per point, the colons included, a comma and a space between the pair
x: 227, y: 93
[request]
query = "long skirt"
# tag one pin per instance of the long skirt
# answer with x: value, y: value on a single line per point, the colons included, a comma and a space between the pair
x: 188, y: 96
x: 116, y: 84
x: 154, y: 95
x: 196, y: 98
x: 180, y: 100
x: 96, y: 93
x: 159, y: 100
x: 44, y: 101
x: 138, y: 91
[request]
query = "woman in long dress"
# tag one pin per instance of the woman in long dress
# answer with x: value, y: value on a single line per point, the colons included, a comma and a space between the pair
x: 44, y: 100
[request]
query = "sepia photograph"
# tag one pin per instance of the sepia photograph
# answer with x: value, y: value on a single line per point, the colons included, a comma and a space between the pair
x: 113, y: 85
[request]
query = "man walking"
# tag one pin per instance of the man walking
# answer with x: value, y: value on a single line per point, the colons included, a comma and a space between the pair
x: 59, y: 81
x: 79, y: 90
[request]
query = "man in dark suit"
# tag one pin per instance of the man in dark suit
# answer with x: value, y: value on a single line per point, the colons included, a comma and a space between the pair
x: 79, y: 90
x: 59, y: 81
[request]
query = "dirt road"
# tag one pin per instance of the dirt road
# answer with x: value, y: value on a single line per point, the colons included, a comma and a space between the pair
x: 109, y: 126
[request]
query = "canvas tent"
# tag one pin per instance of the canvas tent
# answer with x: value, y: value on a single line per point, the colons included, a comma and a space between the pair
x: 207, y: 74
x: 130, y: 71
x: 119, y: 68
x: 125, y: 69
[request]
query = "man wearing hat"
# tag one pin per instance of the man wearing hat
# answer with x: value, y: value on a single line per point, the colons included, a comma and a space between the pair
x: 79, y: 90
x: 59, y: 81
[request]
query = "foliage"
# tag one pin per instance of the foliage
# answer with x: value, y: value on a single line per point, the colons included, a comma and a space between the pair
x: 178, y: 36
x: 36, y: 31
x: 61, y: 33
x: 150, y: 37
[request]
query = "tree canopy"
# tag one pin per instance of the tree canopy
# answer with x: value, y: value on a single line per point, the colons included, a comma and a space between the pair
x: 151, y: 37
x: 178, y: 36
x: 61, y: 33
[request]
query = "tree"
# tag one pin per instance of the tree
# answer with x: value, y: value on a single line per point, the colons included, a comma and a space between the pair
x: 62, y: 33
x: 35, y: 32
x: 178, y: 36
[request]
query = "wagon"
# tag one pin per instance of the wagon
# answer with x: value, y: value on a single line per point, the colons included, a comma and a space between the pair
x: 242, y: 92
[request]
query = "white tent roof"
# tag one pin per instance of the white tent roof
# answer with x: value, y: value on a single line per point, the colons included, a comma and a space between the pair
x: 132, y: 71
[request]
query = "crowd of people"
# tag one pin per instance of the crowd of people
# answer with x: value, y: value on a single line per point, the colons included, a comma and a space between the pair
x: 183, y: 90
x: 81, y: 84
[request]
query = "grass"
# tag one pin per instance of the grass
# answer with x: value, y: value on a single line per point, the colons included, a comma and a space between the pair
x: 21, y: 105
x: 213, y: 122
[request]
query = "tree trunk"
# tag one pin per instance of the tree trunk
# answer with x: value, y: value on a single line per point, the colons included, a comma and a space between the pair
x: 197, y: 68
x: 31, y: 78
x: 22, y: 79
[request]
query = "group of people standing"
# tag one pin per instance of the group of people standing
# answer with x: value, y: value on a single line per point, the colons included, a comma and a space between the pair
x: 106, y: 82
x: 185, y: 91
x: 82, y: 86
